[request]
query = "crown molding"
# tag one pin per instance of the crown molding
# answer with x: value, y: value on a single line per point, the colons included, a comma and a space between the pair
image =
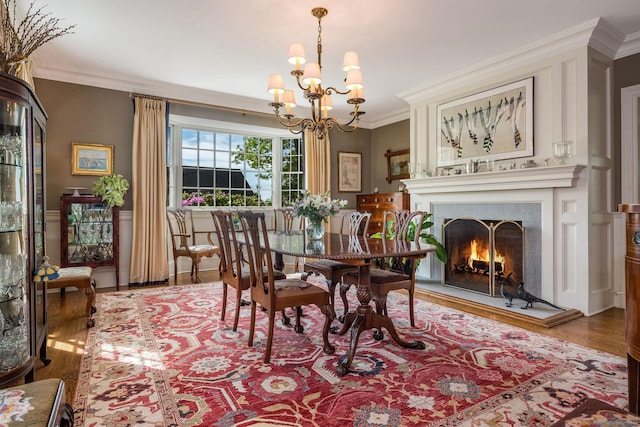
x: 630, y: 46
x: 606, y: 40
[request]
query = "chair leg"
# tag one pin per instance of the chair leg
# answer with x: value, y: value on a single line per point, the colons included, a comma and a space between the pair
x: 196, y: 266
x: 238, y: 305
x: 298, y: 328
x: 267, y: 350
x: 224, y: 301
x: 331, y: 285
x: 411, y: 317
x: 330, y: 315
x: 285, y: 318
x: 175, y: 271
x: 252, y: 324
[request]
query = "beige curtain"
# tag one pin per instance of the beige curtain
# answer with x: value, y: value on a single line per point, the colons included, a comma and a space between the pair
x: 149, y: 262
x: 317, y: 164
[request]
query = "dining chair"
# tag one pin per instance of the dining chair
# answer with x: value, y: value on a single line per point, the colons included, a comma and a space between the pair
x: 234, y: 271
x: 395, y: 273
x: 276, y: 295
x: 284, y: 219
x: 352, y: 224
x: 184, y: 241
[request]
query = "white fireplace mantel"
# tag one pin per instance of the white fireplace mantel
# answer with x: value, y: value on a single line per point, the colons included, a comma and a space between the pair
x: 510, y: 179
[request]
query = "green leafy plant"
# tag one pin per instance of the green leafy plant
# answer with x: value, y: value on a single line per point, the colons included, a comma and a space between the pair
x: 112, y: 189
x: 441, y: 252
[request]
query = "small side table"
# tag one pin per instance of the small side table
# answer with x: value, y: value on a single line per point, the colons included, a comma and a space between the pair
x: 40, y: 403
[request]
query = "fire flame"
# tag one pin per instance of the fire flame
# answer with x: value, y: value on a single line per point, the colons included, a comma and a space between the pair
x: 483, y: 255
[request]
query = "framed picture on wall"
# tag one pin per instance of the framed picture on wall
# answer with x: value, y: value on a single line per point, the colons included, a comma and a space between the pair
x: 495, y: 124
x: 349, y: 171
x: 91, y: 159
x: 397, y: 164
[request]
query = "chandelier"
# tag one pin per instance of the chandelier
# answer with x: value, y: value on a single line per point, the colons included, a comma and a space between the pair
x: 310, y: 82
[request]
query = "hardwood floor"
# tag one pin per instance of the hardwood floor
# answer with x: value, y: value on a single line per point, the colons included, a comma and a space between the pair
x: 67, y: 332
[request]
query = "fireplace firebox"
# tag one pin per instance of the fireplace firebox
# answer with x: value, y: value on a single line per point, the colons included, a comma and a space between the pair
x: 482, y: 252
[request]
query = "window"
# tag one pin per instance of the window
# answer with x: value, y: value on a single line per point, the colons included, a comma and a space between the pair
x: 227, y: 164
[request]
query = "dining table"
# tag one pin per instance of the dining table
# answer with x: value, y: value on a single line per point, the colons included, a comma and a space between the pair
x: 360, y: 251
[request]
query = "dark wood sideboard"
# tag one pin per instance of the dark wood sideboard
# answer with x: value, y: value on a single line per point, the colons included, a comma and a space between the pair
x: 632, y: 302
x: 379, y: 203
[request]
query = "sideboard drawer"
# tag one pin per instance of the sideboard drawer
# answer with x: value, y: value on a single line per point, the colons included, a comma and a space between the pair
x: 379, y: 203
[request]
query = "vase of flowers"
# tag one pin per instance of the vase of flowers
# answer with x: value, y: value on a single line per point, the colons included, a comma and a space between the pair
x: 317, y: 208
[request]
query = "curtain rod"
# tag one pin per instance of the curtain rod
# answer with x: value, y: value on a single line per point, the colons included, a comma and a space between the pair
x: 201, y: 104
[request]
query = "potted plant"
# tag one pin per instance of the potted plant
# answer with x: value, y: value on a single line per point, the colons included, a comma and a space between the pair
x: 441, y: 252
x: 112, y: 189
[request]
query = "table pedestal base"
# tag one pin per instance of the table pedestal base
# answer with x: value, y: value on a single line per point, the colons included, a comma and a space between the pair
x: 362, y: 319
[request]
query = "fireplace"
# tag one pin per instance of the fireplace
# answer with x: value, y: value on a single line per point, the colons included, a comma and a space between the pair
x: 482, y: 252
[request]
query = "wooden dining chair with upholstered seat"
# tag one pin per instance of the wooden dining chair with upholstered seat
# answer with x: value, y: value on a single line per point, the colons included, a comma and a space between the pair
x: 396, y: 273
x: 352, y: 224
x: 284, y: 219
x: 185, y: 242
x: 233, y: 270
x: 276, y: 295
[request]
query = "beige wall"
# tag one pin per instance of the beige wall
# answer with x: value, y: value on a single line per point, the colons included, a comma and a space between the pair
x: 392, y: 137
x: 87, y: 114
x: 625, y: 74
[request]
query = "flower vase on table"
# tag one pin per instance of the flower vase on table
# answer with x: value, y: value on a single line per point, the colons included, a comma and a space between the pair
x: 315, y: 229
x: 317, y: 209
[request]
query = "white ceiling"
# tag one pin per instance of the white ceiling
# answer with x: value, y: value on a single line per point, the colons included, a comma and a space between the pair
x: 222, y: 52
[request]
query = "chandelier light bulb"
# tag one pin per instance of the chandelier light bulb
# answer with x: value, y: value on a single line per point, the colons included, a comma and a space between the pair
x: 351, y: 61
x: 326, y: 104
x: 312, y: 76
x: 296, y: 55
x: 289, y: 100
x: 354, y: 79
x: 356, y: 94
x: 276, y: 86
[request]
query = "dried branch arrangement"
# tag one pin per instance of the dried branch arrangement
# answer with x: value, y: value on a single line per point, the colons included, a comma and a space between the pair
x: 21, y: 39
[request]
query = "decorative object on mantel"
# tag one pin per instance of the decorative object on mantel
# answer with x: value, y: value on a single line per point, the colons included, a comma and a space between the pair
x: 310, y: 81
x: 528, y: 164
x: 21, y: 39
x: 562, y: 151
x: 495, y: 124
x: 317, y: 209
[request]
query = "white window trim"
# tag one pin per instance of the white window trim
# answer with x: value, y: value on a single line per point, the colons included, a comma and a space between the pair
x: 178, y: 122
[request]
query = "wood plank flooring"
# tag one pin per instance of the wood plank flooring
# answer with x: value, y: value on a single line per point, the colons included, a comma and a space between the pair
x: 68, y: 332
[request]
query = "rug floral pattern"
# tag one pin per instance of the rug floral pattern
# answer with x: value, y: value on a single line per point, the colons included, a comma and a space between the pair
x: 162, y: 357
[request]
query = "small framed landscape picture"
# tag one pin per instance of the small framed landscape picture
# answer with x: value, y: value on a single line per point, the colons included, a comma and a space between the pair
x: 91, y: 159
x: 397, y: 164
x: 349, y: 171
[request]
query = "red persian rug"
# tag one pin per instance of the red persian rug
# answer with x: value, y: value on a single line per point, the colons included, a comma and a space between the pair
x: 161, y: 357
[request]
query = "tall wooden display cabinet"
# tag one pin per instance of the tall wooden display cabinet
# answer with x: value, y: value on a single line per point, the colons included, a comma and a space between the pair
x: 23, y: 315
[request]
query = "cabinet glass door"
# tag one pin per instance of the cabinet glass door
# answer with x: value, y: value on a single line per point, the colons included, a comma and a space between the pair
x: 90, y: 233
x: 39, y: 233
x: 14, y: 286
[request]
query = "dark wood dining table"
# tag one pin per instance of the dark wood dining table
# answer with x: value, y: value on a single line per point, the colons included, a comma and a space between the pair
x: 360, y: 251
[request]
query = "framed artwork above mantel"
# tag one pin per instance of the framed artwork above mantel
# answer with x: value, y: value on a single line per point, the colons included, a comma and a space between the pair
x: 397, y: 164
x: 495, y: 124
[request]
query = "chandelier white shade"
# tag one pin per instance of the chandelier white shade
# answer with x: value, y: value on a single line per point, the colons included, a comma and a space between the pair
x: 308, y: 76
